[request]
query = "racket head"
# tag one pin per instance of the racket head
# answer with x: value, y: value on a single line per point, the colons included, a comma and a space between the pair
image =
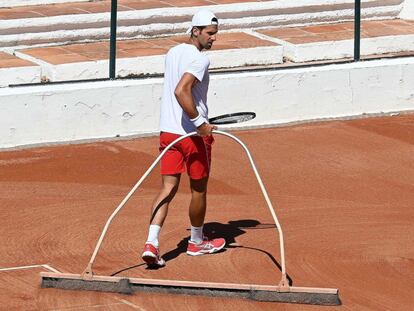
x: 231, y: 118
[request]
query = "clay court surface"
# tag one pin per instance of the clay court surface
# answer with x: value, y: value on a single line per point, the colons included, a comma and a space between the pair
x: 343, y: 191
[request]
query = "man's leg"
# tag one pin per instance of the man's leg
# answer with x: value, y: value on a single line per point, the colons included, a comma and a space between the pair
x: 198, y: 206
x: 159, y: 212
x: 168, y: 190
x: 198, y: 202
x: 198, y: 244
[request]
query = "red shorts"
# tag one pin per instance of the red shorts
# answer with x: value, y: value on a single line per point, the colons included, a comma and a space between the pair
x: 193, y: 152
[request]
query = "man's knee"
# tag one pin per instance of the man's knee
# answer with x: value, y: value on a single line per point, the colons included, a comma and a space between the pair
x: 170, y: 184
x: 169, y: 188
x: 199, y: 186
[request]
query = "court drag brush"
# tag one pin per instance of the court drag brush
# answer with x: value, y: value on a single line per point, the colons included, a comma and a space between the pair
x: 282, y: 292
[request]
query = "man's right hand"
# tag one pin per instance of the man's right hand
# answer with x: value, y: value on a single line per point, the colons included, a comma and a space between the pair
x: 205, y: 129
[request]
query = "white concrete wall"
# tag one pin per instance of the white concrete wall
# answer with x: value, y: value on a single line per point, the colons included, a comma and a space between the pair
x: 407, y: 11
x: 13, y: 3
x: 67, y: 112
x: 41, y: 114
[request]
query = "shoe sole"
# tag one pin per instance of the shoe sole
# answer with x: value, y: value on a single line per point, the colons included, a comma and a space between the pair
x: 203, y: 252
x: 151, y: 260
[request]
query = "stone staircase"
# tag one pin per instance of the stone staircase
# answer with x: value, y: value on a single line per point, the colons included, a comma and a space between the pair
x: 89, y: 21
x: 69, y: 41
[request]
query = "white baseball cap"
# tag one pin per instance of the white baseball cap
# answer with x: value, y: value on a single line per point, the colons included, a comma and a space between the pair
x: 203, y: 18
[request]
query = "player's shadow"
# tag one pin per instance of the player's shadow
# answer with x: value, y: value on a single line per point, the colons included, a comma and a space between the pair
x: 229, y: 231
x: 212, y: 230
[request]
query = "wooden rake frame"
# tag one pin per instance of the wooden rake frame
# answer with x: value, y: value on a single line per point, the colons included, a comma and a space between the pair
x: 282, y: 292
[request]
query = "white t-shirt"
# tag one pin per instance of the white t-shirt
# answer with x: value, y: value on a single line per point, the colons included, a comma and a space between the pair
x: 179, y: 60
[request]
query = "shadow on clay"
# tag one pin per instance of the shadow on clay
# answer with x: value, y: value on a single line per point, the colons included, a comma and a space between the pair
x: 228, y: 231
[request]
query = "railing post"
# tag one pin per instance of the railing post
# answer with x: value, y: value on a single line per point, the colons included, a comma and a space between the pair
x: 112, y: 48
x: 357, y: 31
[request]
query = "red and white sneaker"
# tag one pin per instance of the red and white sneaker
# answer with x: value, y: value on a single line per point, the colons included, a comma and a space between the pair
x: 205, y: 247
x: 151, y: 256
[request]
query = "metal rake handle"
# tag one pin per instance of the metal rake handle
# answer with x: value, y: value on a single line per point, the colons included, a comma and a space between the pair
x: 88, y: 273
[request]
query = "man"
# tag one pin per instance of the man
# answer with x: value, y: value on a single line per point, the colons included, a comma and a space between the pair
x: 184, y: 110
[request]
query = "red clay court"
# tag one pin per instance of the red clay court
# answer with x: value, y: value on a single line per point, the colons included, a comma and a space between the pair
x: 343, y: 191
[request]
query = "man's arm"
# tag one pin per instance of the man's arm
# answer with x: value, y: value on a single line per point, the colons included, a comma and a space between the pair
x: 183, y: 93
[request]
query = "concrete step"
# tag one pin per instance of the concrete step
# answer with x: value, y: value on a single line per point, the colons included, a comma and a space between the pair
x: 140, y: 57
x: 18, y: 3
x: 336, y: 41
x: 14, y: 70
x: 89, y: 21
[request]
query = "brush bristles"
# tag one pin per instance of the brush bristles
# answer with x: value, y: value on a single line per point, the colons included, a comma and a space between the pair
x: 125, y: 287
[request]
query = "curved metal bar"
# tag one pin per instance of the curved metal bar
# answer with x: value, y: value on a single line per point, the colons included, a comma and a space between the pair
x: 87, y: 274
x: 284, y: 282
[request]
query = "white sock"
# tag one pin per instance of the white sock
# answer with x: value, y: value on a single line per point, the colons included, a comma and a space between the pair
x: 153, y: 234
x: 197, y: 234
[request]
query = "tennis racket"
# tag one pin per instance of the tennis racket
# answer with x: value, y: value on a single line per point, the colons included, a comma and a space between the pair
x: 231, y: 118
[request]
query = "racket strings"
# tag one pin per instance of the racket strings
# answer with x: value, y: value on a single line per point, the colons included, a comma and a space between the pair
x: 236, y: 119
x: 233, y: 118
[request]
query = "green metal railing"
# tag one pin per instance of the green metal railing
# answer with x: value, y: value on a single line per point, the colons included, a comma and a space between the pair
x: 112, y: 45
x: 357, y: 30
